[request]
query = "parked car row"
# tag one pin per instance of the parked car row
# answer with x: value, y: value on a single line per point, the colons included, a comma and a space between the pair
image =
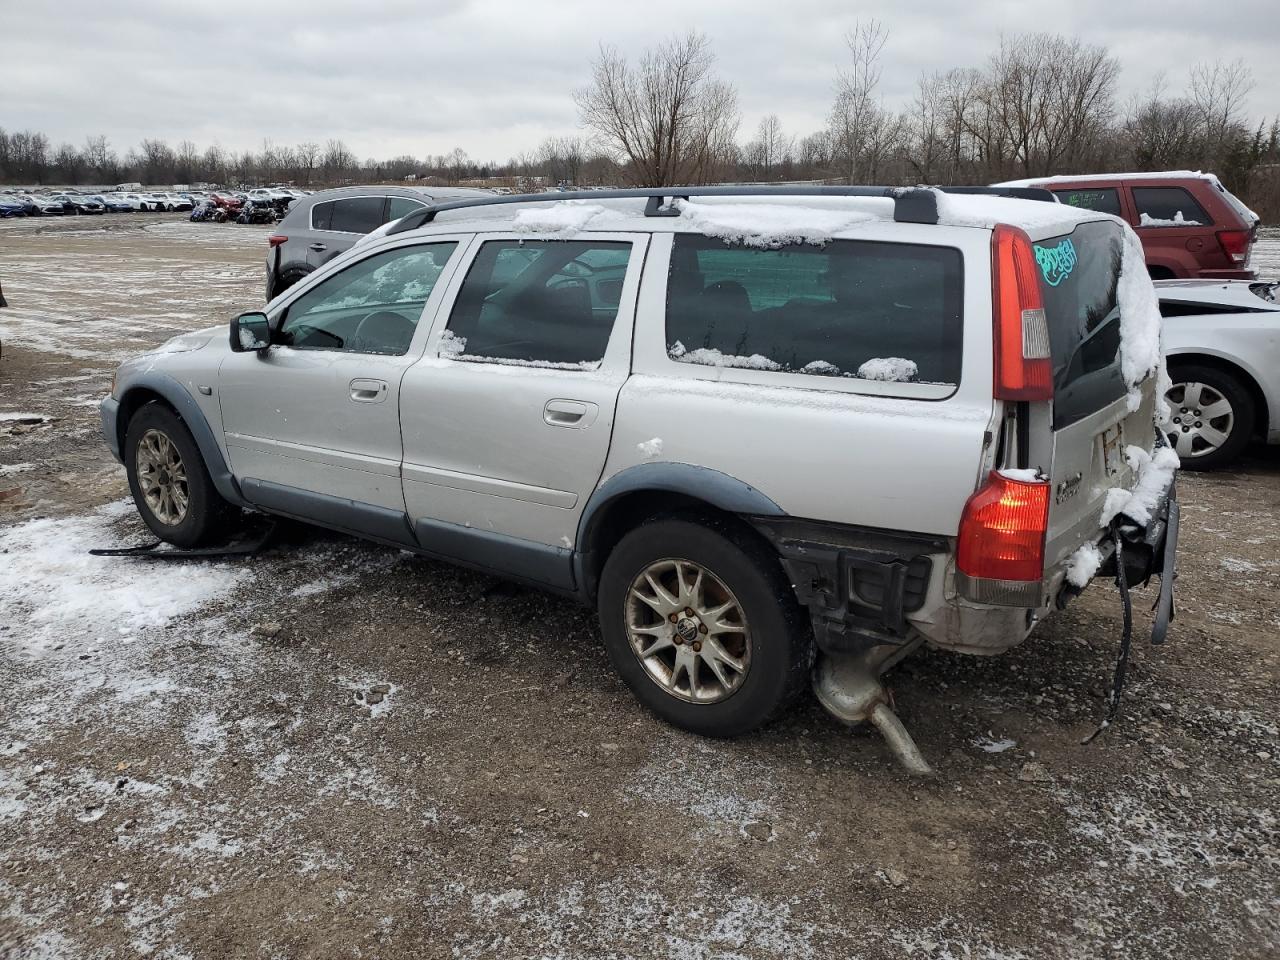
x: 16, y: 203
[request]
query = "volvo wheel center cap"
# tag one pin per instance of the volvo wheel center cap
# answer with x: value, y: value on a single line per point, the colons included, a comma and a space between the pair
x: 687, y: 628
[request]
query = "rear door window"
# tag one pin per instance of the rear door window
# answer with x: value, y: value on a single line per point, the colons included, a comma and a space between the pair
x: 357, y: 214
x: 1079, y: 276
x: 548, y: 303
x: 1168, y: 207
x: 1102, y: 199
x: 851, y: 308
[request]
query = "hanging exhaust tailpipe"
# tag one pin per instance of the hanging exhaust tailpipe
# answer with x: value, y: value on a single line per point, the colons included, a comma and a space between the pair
x: 847, y: 685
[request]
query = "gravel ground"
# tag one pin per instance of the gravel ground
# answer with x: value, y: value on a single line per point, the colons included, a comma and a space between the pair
x: 338, y: 750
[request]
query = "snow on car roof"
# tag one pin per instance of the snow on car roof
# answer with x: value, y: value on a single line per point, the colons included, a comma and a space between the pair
x: 1092, y: 177
x: 760, y: 220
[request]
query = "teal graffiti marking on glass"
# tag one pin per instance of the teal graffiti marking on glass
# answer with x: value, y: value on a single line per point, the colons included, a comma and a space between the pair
x: 1056, y: 263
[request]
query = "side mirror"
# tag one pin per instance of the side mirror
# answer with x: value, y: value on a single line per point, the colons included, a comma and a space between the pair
x: 250, y: 331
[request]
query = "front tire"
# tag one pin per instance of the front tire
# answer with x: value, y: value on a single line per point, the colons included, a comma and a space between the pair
x: 1211, y: 416
x: 702, y: 626
x: 171, y: 486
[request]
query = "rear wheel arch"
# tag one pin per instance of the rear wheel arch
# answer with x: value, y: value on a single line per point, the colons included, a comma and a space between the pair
x: 607, y: 521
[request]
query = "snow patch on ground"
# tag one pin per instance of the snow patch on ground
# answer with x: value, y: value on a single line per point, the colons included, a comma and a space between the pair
x: 711, y: 784
x: 57, y: 594
x: 989, y: 744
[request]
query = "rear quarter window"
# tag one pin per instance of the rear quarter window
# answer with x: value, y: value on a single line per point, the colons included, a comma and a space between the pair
x: 1168, y: 207
x: 1079, y: 277
x: 851, y: 308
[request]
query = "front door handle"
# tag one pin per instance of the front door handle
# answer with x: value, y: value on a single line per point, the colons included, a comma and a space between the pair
x: 317, y: 247
x: 368, y: 391
x: 569, y: 413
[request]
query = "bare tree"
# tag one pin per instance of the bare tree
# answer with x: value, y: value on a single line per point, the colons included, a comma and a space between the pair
x: 856, y: 113
x: 308, y: 155
x: 99, y: 157
x: 669, y: 119
x: 770, y: 149
x: 69, y: 162
x: 337, y: 161
x: 1217, y: 93
x: 1048, y: 97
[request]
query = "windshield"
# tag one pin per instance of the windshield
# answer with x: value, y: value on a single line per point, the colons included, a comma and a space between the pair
x: 1079, y: 276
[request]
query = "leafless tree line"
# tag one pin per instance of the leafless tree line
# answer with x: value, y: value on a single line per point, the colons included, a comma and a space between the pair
x: 1039, y: 104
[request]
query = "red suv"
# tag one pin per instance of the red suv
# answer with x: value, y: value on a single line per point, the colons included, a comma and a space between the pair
x: 1190, y: 225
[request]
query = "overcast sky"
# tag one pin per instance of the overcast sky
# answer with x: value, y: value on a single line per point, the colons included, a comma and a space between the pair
x: 496, y: 76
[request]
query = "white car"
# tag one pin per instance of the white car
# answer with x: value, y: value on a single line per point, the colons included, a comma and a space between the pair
x: 750, y: 426
x: 45, y: 204
x: 1222, y: 341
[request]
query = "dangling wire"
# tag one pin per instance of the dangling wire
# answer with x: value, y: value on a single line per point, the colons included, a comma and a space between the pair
x: 1126, y: 638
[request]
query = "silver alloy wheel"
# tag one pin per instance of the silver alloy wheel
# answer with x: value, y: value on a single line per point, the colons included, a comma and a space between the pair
x: 162, y: 478
x: 688, y: 631
x: 1200, y: 419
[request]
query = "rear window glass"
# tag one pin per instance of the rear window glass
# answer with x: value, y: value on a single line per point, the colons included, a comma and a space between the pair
x: 1079, y: 274
x: 1168, y: 207
x: 1102, y: 199
x: 851, y: 308
x: 402, y: 207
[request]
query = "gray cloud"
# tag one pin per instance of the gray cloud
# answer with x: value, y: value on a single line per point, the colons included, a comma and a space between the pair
x: 496, y: 77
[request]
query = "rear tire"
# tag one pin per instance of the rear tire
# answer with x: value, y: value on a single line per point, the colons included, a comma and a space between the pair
x: 171, y: 486
x: 1211, y: 418
x: 723, y: 670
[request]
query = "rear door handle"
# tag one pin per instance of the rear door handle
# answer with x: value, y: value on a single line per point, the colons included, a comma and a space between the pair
x: 317, y: 247
x: 569, y: 413
x: 368, y: 391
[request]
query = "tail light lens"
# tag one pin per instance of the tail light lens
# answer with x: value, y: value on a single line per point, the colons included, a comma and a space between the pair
x: 1002, y: 530
x: 1236, y: 244
x: 276, y: 239
x: 1024, y: 370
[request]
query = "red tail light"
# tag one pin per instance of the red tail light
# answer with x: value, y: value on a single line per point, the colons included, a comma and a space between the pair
x: 276, y: 239
x: 1023, y: 368
x: 1236, y: 244
x: 1002, y: 530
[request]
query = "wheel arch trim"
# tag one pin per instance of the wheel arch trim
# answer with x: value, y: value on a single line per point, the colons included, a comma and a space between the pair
x: 716, y: 489
x: 177, y: 397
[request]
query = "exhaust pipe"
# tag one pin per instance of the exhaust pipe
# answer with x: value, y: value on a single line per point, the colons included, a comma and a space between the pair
x: 847, y: 685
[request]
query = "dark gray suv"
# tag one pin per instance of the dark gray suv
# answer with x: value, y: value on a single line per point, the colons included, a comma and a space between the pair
x: 319, y: 227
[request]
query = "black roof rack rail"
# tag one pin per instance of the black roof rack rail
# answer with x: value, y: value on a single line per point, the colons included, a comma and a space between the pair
x: 910, y: 204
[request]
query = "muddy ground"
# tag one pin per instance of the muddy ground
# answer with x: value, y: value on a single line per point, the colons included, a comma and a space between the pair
x: 338, y: 750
